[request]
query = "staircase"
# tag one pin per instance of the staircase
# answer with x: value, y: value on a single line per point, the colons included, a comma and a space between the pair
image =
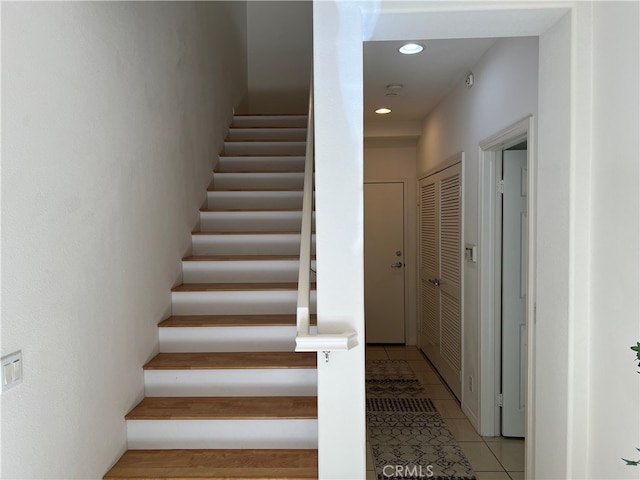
x: 227, y: 396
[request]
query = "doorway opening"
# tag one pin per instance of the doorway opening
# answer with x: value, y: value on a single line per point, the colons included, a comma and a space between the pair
x: 507, y: 219
x: 384, y: 262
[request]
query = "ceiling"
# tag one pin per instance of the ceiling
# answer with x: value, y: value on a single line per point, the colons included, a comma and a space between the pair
x: 427, y: 77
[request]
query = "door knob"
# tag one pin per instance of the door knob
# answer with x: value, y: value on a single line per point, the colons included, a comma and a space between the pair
x: 435, y: 282
x: 397, y: 265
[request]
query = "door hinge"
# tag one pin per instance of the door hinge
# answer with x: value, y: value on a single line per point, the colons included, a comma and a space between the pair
x: 501, y: 187
x: 499, y: 400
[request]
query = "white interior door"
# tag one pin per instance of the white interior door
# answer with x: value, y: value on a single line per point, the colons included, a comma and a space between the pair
x: 514, y: 292
x: 441, y: 273
x: 384, y: 262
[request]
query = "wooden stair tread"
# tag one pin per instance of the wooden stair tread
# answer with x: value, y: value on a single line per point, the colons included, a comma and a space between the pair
x: 236, y: 172
x: 235, y: 127
x: 224, y: 408
x: 254, y: 190
x: 204, y: 210
x: 222, y: 258
x: 216, y: 464
x: 270, y: 115
x: 226, y: 287
x: 297, y: 190
x: 231, y: 360
x: 265, y: 155
x: 266, y: 141
x: 250, y: 233
x: 231, y: 321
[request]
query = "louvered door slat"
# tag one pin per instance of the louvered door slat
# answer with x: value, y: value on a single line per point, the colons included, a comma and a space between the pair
x: 450, y: 230
x: 441, y: 273
x: 451, y: 341
x: 429, y: 314
x: 428, y: 227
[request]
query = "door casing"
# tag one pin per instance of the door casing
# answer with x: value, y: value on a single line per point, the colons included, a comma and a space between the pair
x: 490, y: 260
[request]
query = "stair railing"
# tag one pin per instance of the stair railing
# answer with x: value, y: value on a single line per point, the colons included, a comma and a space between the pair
x: 306, y: 340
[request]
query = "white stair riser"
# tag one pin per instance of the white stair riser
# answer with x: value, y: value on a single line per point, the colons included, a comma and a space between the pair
x: 276, y: 338
x: 231, y: 383
x: 258, y: 181
x: 254, y: 200
x: 236, y: 302
x: 250, y: 221
x: 269, y: 121
x: 202, y: 434
x: 258, y: 244
x: 264, y: 148
x: 235, y: 164
x: 271, y: 133
x: 245, y: 271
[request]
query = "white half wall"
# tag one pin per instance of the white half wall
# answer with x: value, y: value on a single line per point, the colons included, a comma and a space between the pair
x: 280, y: 36
x: 340, y: 236
x: 112, y: 115
x: 504, y: 92
x: 386, y: 160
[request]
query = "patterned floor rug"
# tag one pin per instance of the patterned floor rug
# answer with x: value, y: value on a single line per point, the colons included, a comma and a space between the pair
x: 408, y: 437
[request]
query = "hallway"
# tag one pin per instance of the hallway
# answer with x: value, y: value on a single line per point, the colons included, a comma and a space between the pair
x: 492, y: 458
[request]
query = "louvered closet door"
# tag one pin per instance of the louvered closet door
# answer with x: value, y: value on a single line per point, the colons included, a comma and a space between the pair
x: 440, y: 273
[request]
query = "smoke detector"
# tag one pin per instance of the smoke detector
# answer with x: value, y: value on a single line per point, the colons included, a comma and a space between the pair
x: 468, y: 80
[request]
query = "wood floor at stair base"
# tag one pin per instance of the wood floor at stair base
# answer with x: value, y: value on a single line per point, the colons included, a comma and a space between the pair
x: 232, y: 434
x: 216, y: 464
x: 231, y: 383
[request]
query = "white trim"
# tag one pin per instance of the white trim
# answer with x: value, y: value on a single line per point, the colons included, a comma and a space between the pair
x: 463, y: 403
x: 405, y: 245
x: 489, y: 234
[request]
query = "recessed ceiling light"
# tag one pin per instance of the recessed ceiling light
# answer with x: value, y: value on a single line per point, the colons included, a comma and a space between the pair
x: 383, y: 111
x: 411, y: 48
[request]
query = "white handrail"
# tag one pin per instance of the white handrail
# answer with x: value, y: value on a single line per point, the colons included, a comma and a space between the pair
x: 303, y: 314
x: 305, y: 340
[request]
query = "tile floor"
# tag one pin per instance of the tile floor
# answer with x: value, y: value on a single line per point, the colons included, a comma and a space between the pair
x: 492, y: 458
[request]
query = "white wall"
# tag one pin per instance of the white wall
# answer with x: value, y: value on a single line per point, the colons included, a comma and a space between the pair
x: 388, y: 159
x: 280, y: 35
x: 112, y: 115
x: 504, y: 92
x: 614, y: 389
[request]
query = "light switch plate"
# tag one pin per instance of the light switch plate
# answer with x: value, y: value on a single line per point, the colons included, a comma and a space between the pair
x: 11, y: 370
x: 470, y: 252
